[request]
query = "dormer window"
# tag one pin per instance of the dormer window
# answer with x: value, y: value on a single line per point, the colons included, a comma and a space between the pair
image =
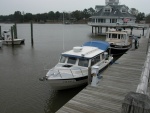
x: 107, y: 9
x: 123, y: 10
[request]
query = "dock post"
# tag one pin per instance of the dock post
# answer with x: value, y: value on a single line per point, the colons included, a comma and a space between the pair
x: 143, y: 31
x: 15, y: 31
x: 131, y: 30
x: 0, y: 31
x: 92, y: 29
x: 89, y: 75
x: 32, y: 33
x: 95, y: 70
x: 12, y: 35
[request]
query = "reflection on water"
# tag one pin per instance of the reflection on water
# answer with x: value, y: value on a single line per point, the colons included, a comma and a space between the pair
x: 22, y: 66
x: 59, y: 98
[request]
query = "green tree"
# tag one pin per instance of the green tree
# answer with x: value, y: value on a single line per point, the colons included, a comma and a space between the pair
x: 28, y: 17
x: 77, y: 15
x: 140, y: 17
x: 57, y: 15
x: 91, y: 11
x: 51, y: 15
x: 147, y: 18
x: 133, y: 11
x: 18, y: 16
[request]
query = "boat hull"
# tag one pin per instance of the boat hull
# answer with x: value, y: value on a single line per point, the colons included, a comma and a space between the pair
x: 61, y: 84
x: 118, y: 50
x: 16, y: 42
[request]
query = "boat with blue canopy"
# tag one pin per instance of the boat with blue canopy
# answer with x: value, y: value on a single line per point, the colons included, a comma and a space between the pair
x: 72, y: 69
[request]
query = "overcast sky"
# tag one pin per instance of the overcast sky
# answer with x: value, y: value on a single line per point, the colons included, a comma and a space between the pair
x: 44, y: 6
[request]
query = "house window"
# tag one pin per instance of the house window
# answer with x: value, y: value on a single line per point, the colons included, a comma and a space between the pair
x: 124, y: 10
x: 101, y: 20
x: 107, y: 9
x: 113, y: 20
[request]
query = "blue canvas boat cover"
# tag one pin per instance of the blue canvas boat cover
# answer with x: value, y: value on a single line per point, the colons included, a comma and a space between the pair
x: 99, y: 44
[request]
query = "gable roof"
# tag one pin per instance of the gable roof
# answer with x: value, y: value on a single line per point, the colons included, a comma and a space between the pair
x: 115, y: 12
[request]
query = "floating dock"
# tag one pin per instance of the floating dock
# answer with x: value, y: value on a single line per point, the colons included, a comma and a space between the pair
x: 118, y: 80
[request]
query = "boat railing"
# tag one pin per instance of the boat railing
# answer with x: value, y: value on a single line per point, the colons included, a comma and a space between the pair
x: 73, y: 72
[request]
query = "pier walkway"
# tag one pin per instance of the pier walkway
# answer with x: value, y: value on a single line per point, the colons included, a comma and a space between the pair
x: 118, y: 80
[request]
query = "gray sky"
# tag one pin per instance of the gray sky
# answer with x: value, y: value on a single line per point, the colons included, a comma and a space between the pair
x: 41, y: 6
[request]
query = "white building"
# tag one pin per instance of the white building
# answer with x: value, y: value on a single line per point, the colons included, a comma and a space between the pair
x: 112, y: 14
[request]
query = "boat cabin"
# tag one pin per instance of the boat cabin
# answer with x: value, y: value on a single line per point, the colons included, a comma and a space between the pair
x: 117, y: 37
x: 83, y: 56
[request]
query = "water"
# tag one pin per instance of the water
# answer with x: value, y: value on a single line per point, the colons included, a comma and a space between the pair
x: 22, y: 66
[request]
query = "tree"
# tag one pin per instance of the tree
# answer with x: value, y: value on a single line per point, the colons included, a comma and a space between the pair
x: 140, y: 17
x: 147, y: 18
x: 91, y: 11
x: 18, y: 16
x: 51, y: 15
x: 77, y: 14
x: 57, y: 15
x: 86, y: 14
x: 133, y: 11
x: 28, y: 17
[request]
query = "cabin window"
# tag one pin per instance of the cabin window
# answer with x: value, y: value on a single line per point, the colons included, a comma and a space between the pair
x: 71, y: 60
x: 62, y: 59
x: 95, y: 60
x: 109, y: 35
x: 114, y: 35
x: 119, y: 36
x: 83, y: 62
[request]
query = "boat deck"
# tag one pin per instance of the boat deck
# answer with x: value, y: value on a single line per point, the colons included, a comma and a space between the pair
x: 118, y: 80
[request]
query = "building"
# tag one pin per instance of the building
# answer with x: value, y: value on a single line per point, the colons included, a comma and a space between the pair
x: 111, y: 15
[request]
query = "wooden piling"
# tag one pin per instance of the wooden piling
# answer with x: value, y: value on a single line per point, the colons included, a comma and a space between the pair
x: 32, y: 42
x: 0, y: 31
x: 12, y: 35
x: 143, y: 31
x: 89, y: 75
x: 15, y: 31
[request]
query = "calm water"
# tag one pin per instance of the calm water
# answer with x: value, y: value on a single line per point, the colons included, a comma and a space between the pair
x: 22, y: 66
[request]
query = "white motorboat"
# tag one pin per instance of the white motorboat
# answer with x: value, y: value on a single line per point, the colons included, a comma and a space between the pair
x: 119, y: 41
x: 6, y: 39
x: 15, y: 41
x: 72, y: 68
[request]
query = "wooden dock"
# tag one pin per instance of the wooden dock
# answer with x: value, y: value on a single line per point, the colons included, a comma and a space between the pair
x: 118, y: 80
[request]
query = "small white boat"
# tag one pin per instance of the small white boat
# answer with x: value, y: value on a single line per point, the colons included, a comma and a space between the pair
x: 6, y: 39
x: 15, y: 41
x: 1, y: 44
x: 72, y: 68
x: 119, y: 41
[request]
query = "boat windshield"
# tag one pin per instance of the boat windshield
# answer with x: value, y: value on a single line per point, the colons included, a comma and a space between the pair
x: 83, y: 62
x: 72, y: 60
x: 62, y: 59
x: 114, y: 35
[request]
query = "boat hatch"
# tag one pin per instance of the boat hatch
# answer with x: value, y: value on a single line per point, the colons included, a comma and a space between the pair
x: 67, y: 66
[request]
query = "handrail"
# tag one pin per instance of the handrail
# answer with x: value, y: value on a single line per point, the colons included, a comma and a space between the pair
x: 143, y: 85
x: 70, y: 71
